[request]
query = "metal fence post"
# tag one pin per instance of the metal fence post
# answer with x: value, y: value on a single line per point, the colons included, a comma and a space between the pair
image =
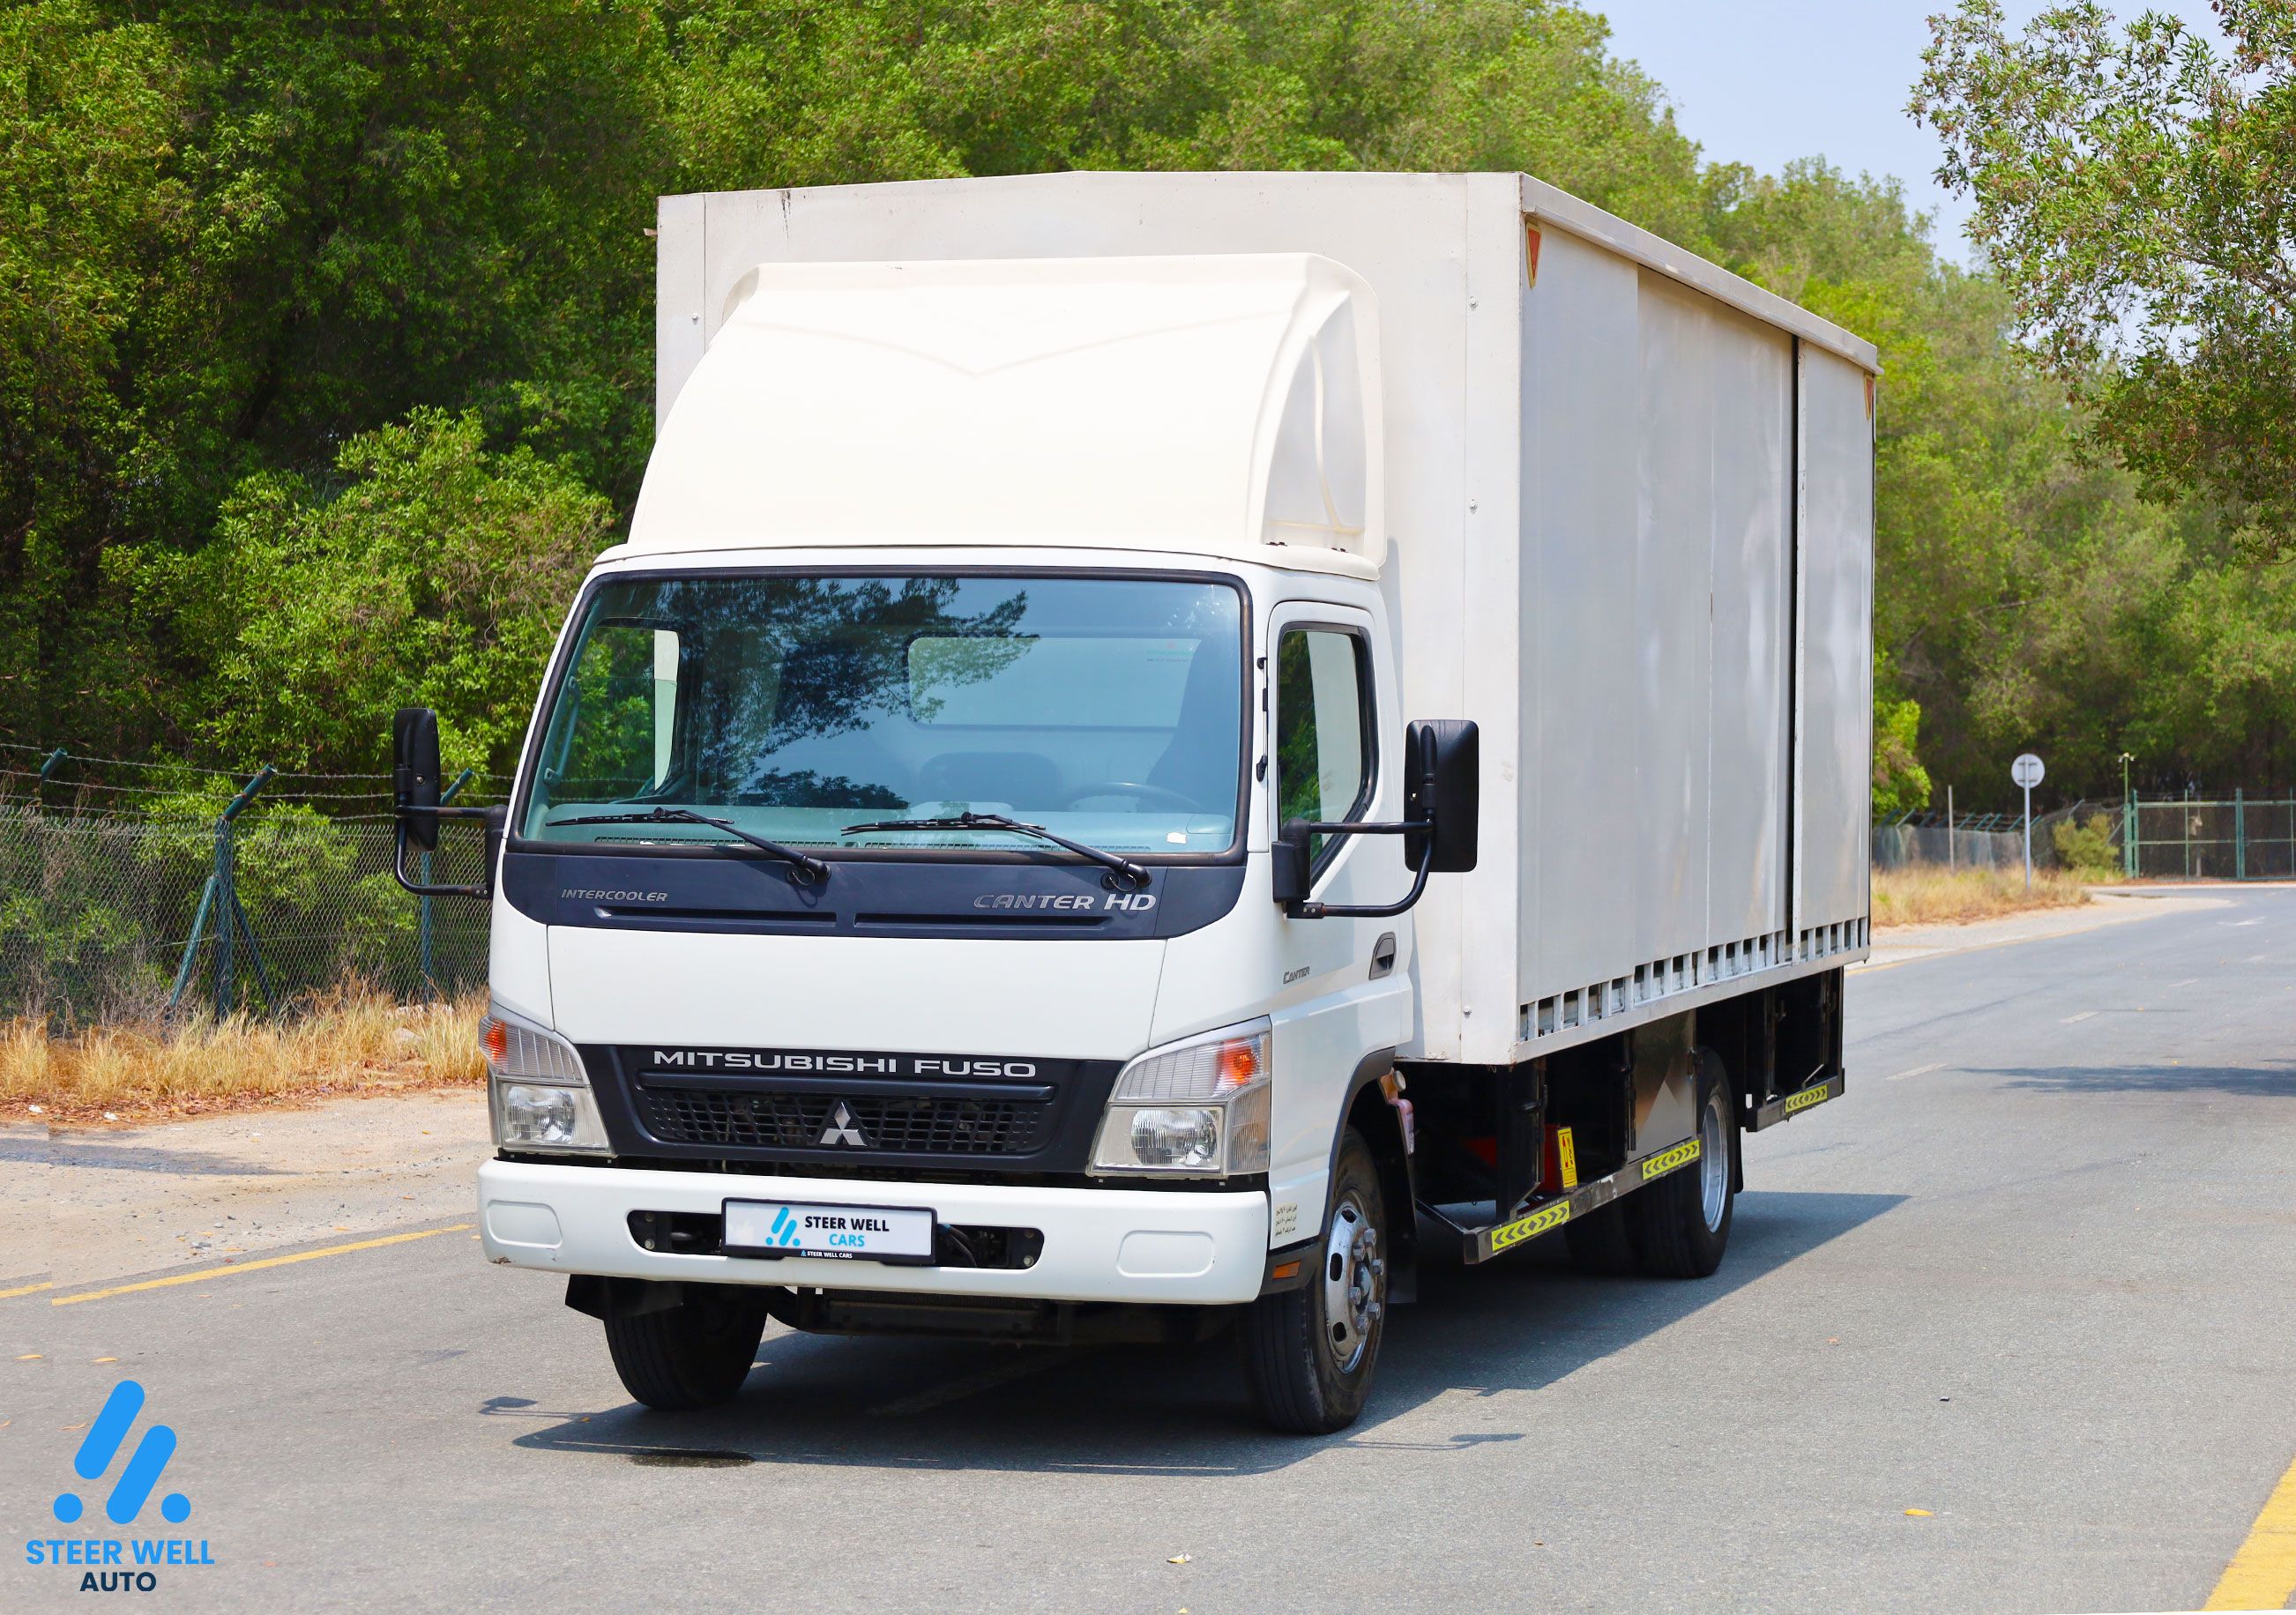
x: 2238, y: 835
x: 231, y: 919
x: 225, y: 966
x: 192, y: 948
x: 2128, y: 835
x: 431, y: 987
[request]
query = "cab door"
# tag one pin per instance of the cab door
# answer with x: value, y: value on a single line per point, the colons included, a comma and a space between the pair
x: 1333, y: 756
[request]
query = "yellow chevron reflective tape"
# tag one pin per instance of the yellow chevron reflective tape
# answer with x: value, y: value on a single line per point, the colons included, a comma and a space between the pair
x: 1807, y: 1098
x: 1524, y: 1227
x: 1666, y: 1161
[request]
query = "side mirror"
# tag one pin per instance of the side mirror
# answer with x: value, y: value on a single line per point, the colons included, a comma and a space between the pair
x: 414, y: 773
x: 1442, y: 767
x: 1442, y: 786
x: 1290, y: 863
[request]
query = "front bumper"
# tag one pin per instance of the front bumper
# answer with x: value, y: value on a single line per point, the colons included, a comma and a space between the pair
x: 1194, y: 1246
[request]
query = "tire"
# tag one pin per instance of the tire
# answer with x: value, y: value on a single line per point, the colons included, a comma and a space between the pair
x: 1309, y: 1353
x: 693, y: 1355
x: 1680, y: 1224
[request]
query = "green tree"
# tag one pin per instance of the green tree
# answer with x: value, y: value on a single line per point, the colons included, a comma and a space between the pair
x: 2087, y: 847
x: 2134, y: 194
x: 235, y: 235
x: 804, y: 95
x: 92, y: 217
x: 431, y: 570
x: 1900, y: 782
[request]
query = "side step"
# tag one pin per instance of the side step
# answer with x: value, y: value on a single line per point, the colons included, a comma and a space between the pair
x: 1787, y: 1106
x: 1481, y: 1245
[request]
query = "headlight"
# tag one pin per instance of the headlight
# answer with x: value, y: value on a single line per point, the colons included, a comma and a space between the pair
x: 1198, y: 1110
x: 537, y: 1092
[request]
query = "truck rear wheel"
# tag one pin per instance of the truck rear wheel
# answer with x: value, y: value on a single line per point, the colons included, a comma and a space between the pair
x: 1681, y: 1223
x: 695, y: 1354
x: 1309, y: 1353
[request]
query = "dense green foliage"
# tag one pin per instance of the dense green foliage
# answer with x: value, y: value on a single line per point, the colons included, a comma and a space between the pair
x: 2086, y: 846
x: 2137, y: 191
x: 325, y: 346
x: 2135, y: 195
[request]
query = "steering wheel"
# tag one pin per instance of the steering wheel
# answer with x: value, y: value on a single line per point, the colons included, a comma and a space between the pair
x: 1153, y: 794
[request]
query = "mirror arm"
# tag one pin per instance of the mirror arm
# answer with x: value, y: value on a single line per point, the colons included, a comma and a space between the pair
x: 484, y: 889
x: 1409, y: 827
x: 1301, y: 909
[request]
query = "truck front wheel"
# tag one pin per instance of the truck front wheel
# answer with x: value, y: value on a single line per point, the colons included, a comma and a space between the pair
x: 1309, y: 1353
x: 694, y: 1354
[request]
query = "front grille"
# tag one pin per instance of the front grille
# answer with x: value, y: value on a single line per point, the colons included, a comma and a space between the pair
x: 911, y: 1125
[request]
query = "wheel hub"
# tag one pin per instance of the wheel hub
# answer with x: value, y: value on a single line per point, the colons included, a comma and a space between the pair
x: 1713, y: 1161
x: 1354, y: 1283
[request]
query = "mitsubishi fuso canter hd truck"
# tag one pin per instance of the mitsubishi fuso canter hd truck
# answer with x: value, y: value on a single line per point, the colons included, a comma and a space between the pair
x: 1165, y: 747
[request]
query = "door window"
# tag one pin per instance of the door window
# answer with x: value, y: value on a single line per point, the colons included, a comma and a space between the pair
x: 1323, y: 713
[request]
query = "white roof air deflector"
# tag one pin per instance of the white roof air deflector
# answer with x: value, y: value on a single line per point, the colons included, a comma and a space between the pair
x: 1214, y: 403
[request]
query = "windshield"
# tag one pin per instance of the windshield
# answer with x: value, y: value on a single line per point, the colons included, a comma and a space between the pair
x: 1107, y: 709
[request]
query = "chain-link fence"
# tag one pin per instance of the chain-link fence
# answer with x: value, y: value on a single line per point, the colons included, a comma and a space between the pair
x: 2185, y: 839
x: 106, y: 916
x: 1986, y: 840
x: 1895, y: 846
x: 2241, y: 838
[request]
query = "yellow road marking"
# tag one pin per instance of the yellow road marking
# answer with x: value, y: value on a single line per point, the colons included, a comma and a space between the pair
x: 269, y: 1261
x: 2262, y: 1576
x: 7, y: 1295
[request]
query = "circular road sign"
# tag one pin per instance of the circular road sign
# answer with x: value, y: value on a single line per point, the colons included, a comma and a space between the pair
x: 2026, y: 771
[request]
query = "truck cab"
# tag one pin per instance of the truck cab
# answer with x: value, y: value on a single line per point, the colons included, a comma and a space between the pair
x: 886, y: 918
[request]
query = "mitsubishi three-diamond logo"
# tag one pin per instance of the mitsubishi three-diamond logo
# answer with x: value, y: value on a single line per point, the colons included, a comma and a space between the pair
x: 842, y: 1130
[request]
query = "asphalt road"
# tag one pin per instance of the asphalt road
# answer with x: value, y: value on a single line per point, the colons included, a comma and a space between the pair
x: 2034, y: 1276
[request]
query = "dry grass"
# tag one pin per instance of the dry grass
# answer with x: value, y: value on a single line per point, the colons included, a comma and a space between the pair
x: 1922, y: 894
x: 351, y: 1042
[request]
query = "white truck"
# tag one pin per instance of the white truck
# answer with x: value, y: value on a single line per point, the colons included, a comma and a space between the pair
x: 1161, y: 745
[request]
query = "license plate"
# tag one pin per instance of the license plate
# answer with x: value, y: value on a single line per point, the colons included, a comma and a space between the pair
x: 863, y: 1233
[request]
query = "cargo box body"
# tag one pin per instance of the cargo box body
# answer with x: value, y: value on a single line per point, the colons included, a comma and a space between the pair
x: 1628, y: 513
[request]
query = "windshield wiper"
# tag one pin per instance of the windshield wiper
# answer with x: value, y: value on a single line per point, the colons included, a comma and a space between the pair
x: 1134, y: 872
x: 812, y: 870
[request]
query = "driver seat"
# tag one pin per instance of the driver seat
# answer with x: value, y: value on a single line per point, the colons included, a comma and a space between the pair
x: 1200, y: 762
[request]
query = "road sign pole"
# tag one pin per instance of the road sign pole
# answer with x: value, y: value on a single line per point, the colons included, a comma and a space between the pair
x: 2026, y: 773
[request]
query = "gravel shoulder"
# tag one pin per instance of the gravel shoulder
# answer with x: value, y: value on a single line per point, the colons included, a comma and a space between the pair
x: 2108, y: 906
x: 94, y: 1204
